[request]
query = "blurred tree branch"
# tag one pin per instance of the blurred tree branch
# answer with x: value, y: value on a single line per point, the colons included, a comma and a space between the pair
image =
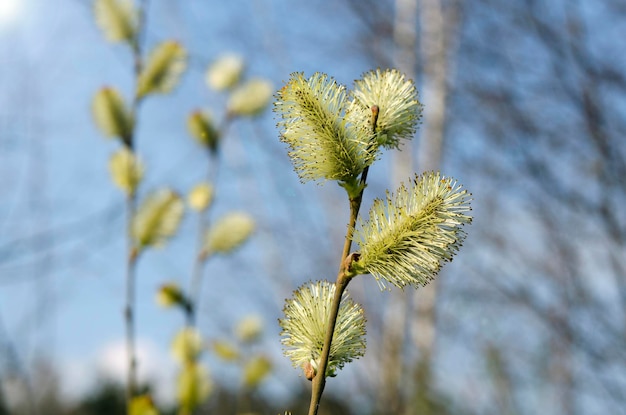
x: 537, y: 117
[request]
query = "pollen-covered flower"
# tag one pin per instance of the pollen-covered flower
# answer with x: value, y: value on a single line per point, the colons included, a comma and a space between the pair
x: 323, y: 146
x: 306, y: 321
x: 409, y: 236
x: 398, y: 107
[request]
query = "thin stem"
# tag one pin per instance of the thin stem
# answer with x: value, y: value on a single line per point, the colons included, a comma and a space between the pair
x: 195, y: 285
x: 319, y: 381
x: 196, y: 279
x: 129, y: 314
x: 131, y: 207
x: 131, y: 266
x: 137, y: 45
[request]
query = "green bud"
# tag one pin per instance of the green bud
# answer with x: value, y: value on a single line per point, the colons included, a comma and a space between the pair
x: 256, y: 370
x: 225, y: 351
x: 251, y: 98
x: 163, y: 69
x: 117, y: 19
x: 158, y: 218
x: 170, y: 295
x: 201, y: 127
x: 200, y: 197
x: 228, y: 233
x: 225, y: 72
x: 193, y: 387
x: 126, y: 170
x: 187, y: 345
x: 249, y: 329
x: 111, y: 115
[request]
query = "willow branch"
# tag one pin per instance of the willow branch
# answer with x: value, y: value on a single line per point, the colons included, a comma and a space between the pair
x: 131, y: 207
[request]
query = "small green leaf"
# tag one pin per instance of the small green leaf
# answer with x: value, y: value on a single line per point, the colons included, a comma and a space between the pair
x: 228, y: 233
x: 251, y: 98
x: 225, y: 72
x: 256, y: 370
x: 163, y: 69
x: 117, y: 19
x: 158, y: 218
x: 111, y: 115
x: 201, y: 127
x: 126, y: 170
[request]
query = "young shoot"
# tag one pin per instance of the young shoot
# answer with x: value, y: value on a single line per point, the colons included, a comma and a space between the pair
x: 335, y: 134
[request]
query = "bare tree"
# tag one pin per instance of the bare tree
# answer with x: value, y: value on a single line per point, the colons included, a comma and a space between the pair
x: 547, y: 110
x: 437, y: 28
x: 535, y: 123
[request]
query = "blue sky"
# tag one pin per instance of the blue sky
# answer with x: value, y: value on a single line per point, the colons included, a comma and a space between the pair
x: 61, y: 219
